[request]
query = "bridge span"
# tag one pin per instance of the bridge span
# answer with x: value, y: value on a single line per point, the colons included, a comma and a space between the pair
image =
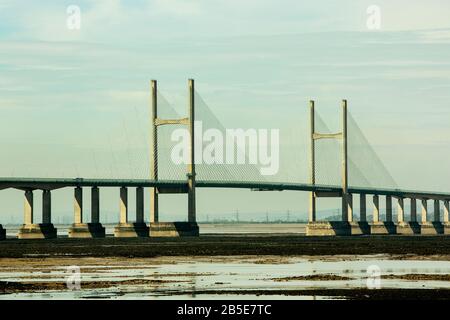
x: 438, y: 224
x: 413, y: 225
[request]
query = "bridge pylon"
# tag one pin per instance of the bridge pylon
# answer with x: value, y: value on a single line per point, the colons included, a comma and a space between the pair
x: 347, y: 225
x: 170, y: 229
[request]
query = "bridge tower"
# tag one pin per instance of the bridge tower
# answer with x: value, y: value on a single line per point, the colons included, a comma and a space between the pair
x: 158, y: 228
x: 346, y: 226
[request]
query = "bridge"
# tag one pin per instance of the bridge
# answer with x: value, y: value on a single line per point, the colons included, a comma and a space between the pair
x: 158, y: 185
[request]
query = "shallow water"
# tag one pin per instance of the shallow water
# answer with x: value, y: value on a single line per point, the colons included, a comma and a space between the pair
x: 182, y: 277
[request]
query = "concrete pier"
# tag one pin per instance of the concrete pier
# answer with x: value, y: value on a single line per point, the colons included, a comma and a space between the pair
x: 362, y: 226
x: 413, y: 223
x: 389, y: 209
x: 126, y: 229
x: 445, y: 222
x: 429, y: 227
x: 403, y: 227
x: 377, y: 226
x: 357, y: 227
x: 79, y: 228
x: 174, y: 229
x: 29, y: 229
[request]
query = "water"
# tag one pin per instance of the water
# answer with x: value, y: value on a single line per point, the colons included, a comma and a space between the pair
x: 215, y: 277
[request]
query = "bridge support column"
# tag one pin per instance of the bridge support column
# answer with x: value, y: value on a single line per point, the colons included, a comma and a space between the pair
x: 445, y: 220
x: 348, y: 202
x: 413, y: 210
x: 139, y: 205
x: 389, y: 209
x: 424, y: 211
x: 126, y: 229
x: 430, y: 227
x: 437, y: 211
x: 400, y: 211
x: 312, y: 208
x: 376, y: 209
x: 95, y: 205
x: 403, y: 227
x: 389, y: 223
x: 357, y: 227
x: 413, y: 224
x: 362, y: 208
x: 377, y: 226
x: 437, y: 224
x: 79, y: 229
x: 174, y: 229
x: 29, y: 229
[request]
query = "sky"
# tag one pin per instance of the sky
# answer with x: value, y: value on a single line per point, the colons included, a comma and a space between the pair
x: 75, y: 103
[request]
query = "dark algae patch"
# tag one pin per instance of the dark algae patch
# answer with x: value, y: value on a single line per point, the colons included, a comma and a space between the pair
x: 418, y: 277
x: 315, y: 277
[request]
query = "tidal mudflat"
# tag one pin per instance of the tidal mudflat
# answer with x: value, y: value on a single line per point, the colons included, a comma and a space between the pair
x: 227, y: 277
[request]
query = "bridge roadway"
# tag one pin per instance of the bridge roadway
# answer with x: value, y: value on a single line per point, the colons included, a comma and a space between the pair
x: 58, y: 183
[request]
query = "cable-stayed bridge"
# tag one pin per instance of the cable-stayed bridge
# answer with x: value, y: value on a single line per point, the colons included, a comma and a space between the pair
x: 341, y: 165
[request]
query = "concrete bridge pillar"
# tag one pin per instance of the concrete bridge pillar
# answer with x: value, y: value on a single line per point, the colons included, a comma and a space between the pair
x: 404, y: 227
x: 445, y: 222
x: 389, y: 209
x: 126, y: 229
x: 413, y: 210
x: 80, y: 229
x: 28, y: 207
x: 78, y: 205
x: 349, y: 207
x: 424, y: 211
x: 123, y: 205
x: 400, y: 211
x: 362, y: 208
x: 446, y: 211
x: 430, y: 227
x: 389, y: 224
x: 361, y: 226
x: 139, y: 205
x: 46, y: 207
x: 376, y: 209
x: 95, y: 205
x: 29, y: 229
x: 377, y: 226
x: 437, y: 211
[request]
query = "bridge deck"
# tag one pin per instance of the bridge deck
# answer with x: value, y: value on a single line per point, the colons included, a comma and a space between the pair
x: 57, y: 183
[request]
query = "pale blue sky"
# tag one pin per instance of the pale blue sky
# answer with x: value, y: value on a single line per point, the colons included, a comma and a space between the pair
x: 69, y: 99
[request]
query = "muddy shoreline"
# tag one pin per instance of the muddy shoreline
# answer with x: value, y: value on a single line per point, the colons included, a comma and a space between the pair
x: 223, y: 276
x: 226, y: 245
x: 348, y: 294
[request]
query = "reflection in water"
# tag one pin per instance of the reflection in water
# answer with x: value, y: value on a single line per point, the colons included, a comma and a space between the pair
x: 204, y: 277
